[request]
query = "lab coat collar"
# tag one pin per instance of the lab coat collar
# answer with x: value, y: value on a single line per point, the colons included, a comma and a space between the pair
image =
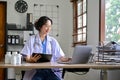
x: 38, y: 37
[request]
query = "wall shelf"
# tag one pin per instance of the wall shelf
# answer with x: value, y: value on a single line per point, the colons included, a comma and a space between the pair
x: 21, y: 29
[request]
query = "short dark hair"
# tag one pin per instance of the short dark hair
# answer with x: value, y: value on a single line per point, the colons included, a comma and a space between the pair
x: 41, y: 21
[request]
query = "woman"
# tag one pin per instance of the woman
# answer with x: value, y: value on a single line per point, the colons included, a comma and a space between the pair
x: 43, y: 43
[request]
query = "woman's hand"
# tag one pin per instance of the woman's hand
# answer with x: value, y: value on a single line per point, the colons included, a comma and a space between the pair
x: 33, y: 59
x: 64, y: 59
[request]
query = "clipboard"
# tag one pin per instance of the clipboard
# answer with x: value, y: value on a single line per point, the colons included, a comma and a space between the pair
x: 44, y: 57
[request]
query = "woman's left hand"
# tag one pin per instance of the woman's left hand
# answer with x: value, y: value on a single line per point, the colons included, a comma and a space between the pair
x: 33, y: 59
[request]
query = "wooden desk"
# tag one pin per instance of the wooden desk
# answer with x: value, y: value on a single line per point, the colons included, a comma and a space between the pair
x: 104, y: 67
x: 56, y: 65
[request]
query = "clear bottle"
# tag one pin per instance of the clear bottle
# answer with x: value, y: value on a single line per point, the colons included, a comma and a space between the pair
x: 13, y: 58
x: 18, y: 58
x: 8, y: 58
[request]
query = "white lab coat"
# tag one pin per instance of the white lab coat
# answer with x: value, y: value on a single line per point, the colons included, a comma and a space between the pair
x: 34, y: 44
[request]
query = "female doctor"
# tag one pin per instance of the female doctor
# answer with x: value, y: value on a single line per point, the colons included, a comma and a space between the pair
x: 43, y: 43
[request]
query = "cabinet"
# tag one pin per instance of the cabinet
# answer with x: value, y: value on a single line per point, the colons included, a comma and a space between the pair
x: 15, y: 40
x: 16, y: 37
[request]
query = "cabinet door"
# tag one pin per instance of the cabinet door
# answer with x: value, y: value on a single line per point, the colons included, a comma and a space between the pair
x: 2, y: 35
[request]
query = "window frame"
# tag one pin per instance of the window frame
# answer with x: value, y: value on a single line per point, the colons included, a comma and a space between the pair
x: 102, y: 21
x: 75, y: 23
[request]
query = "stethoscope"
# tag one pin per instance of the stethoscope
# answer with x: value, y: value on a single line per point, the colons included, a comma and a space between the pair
x: 35, y: 41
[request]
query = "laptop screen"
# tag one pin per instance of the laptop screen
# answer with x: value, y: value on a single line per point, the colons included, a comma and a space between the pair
x: 81, y: 54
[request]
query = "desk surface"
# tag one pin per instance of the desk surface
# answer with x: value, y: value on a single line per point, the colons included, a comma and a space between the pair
x: 56, y: 65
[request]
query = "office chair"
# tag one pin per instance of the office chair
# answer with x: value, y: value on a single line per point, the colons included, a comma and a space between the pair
x: 75, y: 70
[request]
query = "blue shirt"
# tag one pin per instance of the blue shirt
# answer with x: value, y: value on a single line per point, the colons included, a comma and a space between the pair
x: 44, y: 45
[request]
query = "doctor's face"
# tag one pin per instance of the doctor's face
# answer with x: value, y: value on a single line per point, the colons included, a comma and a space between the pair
x: 46, y: 27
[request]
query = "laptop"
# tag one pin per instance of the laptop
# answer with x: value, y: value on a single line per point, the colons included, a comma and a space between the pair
x: 81, y: 55
x: 44, y: 57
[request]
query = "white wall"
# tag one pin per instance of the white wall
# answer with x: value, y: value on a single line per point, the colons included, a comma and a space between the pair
x: 93, y: 23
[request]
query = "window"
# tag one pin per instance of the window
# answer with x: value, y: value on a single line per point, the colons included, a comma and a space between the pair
x: 110, y: 20
x: 79, y: 22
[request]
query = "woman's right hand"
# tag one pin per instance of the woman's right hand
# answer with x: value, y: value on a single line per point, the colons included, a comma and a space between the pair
x: 33, y: 59
x: 64, y: 59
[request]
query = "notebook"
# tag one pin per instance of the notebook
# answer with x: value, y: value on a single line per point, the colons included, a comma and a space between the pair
x: 44, y: 57
x: 80, y: 55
